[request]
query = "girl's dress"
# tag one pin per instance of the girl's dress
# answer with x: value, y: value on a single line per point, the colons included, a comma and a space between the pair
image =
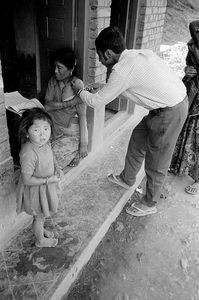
x: 185, y: 158
x: 37, y: 199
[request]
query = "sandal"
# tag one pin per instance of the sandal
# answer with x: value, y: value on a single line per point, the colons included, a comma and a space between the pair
x: 117, y: 180
x: 139, y: 210
x: 193, y: 189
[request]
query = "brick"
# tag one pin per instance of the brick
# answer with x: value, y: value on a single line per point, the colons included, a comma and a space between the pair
x: 150, y: 2
x: 142, y: 11
x: 91, y: 44
x: 103, y: 12
x: 100, y: 3
x: 93, y: 24
x: 93, y: 63
x: 106, y: 22
x: 100, y: 23
x: 149, y: 10
x: 93, y: 34
x: 92, y: 54
x: 93, y: 2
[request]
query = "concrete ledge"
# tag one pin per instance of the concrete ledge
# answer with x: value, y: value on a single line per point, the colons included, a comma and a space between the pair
x: 89, y: 204
x: 86, y: 254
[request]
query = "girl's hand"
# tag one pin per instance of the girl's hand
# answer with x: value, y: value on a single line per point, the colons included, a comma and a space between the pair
x: 59, y: 173
x: 53, y: 179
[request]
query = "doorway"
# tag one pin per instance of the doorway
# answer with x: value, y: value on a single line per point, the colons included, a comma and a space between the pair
x: 124, y: 16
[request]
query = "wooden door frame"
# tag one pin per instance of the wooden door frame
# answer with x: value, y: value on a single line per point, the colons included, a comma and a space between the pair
x: 81, y: 37
x: 132, y: 23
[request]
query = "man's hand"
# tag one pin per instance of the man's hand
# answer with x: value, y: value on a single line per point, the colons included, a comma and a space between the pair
x: 77, y: 84
x: 190, y: 71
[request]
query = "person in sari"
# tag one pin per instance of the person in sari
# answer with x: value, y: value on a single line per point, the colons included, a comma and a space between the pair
x: 185, y: 158
x: 66, y: 120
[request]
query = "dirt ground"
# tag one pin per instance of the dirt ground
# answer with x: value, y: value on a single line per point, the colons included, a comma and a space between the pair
x: 150, y: 258
x: 154, y: 257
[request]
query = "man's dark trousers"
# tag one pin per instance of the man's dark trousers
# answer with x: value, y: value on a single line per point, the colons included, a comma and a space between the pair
x: 154, y: 139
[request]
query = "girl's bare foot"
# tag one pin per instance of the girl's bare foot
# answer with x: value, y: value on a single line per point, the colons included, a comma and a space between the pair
x: 48, y: 234
x: 46, y: 242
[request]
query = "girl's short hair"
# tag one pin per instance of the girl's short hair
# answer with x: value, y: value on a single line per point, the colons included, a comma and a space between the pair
x: 27, y: 119
x: 66, y: 56
x: 110, y: 38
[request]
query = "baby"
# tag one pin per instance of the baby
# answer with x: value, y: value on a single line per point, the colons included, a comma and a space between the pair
x: 67, y: 91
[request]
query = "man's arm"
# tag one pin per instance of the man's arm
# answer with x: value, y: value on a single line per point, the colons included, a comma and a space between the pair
x: 115, y: 86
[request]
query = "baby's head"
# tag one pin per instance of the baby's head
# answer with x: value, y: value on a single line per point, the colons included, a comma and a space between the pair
x: 35, y: 126
x: 78, y: 83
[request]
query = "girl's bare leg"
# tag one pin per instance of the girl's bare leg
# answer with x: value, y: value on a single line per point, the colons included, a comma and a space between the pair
x: 38, y: 229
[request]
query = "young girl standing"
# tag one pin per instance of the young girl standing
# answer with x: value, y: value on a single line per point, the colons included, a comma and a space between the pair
x: 37, y: 187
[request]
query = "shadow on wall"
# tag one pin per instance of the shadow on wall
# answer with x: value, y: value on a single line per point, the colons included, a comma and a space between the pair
x: 26, y: 74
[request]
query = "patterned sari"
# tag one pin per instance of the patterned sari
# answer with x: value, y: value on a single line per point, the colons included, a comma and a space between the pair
x: 185, y: 158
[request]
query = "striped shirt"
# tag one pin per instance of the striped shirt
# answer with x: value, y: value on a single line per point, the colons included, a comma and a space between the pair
x: 142, y: 77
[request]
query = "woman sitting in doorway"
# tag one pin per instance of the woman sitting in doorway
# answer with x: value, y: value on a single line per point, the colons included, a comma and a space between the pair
x: 67, y: 120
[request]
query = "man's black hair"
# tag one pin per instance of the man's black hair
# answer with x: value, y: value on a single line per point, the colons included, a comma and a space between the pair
x: 110, y: 38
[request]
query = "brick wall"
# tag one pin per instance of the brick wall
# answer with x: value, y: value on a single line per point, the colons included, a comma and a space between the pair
x: 151, y: 15
x: 150, y: 24
x: 99, y: 12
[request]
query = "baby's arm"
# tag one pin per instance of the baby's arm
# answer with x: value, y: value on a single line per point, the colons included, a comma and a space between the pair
x: 76, y: 100
x: 51, y: 105
x: 70, y: 103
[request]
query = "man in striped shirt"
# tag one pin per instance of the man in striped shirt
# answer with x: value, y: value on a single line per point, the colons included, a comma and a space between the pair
x: 144, y: 78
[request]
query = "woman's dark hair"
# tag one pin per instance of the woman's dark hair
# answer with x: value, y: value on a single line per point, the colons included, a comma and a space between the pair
x: 66, y: 56
x: 27, y: 119
x: 110, y: 38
